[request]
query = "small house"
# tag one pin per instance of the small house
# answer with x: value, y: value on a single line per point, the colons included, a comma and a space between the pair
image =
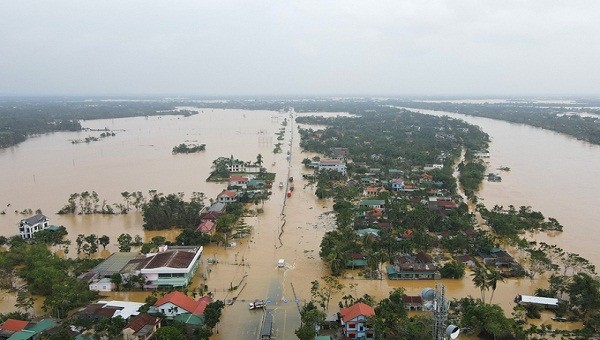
x: 141, y: 327
x: 355, y: 320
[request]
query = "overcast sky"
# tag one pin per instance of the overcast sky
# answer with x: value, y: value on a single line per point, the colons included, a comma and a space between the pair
x: 251, y: 47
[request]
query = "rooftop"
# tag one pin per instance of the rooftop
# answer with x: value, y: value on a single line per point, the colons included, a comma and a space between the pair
x: 185, y: 302
x: 13, y: 325
x: 170, y: 258
x: 114, y: 263
x: 356, y: 310
x: 35, y: 219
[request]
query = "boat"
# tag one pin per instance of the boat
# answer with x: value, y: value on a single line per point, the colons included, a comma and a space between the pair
x: 289, y: 194
x: 291, y: 179
x: 256, y: 304
x: 281, y: 184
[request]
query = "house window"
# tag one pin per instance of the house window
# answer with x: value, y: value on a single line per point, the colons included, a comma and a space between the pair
x: 351, y: 325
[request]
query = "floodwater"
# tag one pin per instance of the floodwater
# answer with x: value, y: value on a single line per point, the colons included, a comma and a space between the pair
x: 553, y: 173
x: 43, y: 171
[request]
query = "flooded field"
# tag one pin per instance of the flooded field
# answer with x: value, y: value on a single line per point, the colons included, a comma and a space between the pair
x: 43, y: 171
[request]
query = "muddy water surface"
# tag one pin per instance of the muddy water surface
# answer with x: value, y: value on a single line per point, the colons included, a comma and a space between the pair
x: 43, y: 171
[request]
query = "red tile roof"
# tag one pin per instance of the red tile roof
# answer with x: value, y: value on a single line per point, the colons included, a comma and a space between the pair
x: 201, y: 305
x: 183, y: 301
x: 356, y: 310
x: 228, y: 193
x: 13, y: 325
x: 237, y: 179
x: 206, y: 226
x: 139, y: 321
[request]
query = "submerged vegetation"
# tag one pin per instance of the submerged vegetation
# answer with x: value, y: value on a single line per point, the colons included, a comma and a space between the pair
x: 188, y: 148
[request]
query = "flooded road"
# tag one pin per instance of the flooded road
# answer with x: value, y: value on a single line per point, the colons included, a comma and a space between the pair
x: 550, y: 172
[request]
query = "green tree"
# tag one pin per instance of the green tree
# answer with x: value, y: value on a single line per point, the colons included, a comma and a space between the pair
x: 453, y: 270
x: 480, y: 280
x: 212, y: 313
x: 170, y: 333
x: 322, y: 294
x: 584, y: 292
x: 124, y: 241
x: 493, y: 277
x: 24, y: 301
x: 117, y: 279
x: 104, y: 241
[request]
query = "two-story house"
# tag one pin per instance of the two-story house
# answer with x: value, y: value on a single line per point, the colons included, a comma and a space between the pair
x: 355, y: 320
x: 32, y: 225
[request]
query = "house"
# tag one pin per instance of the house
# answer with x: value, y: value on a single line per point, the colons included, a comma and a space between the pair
x: 412, y: 303
x: 218, y: 208
x: 355, y: 320
x: 171, y: 267
x: 238, y: 181
x: 372, y: 204
x: 109, y: 309
x: 436, y: 203
x: 141, y: 327
x: 102, y: 285
x: 333, y: 164
x: 34, y: 329
x: 32, y: 225
x: 423, y: 257
x: 373, y: 191
x: 210, y: 216
x: 425, y: 178
x: 11, y: 326
x: 339, y: 153
x: 419, y: 267
x: 176, y: 303
x: 397, y: 184
x: 544, y: 302
x: 235, y: 165
x: 115, y: 263
x: 227, y: 196
x: 206, y: 227
x: 214, y: 211
x: 413, y: 271
x: 467, y: 260
x: 430, y: 167
x: 356, y: 260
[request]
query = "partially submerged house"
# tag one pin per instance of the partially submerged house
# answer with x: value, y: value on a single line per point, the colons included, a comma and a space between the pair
x: 419, y: 267
x: 29, y: 226
x: 227, y: 196
x: 545, y: 302
x: 141, y: 327
x: 171, y: 267
x: 334, y: 165
x: 355, y: 320
x: 177, y: 303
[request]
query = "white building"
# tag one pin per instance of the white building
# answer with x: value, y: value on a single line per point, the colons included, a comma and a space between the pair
x: 32, y: 225
x: 102, y: 285
x: 333, y: 164
x: 171, y: 267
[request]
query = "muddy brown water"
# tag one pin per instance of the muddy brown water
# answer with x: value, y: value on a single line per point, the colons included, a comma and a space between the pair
x: 43, y: 171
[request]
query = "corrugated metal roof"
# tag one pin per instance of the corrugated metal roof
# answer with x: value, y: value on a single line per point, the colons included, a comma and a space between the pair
x: 539, y: 300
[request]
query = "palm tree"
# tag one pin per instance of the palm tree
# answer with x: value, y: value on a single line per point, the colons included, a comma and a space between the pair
x: 480, y: 280
x: 493, y: 276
